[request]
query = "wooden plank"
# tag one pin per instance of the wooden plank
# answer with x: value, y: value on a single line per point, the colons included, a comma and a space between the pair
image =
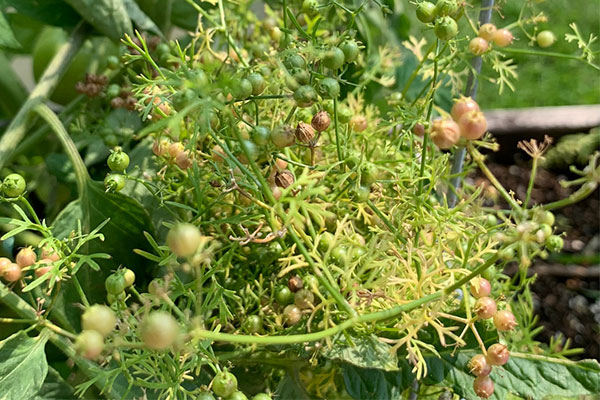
x: 543, y: 120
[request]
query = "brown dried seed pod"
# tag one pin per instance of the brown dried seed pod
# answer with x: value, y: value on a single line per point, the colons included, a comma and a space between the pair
x: 321, y: 121
x: 130, y: 103
x: 182, y: 160
x: 160, y: 147
x: 117, y: 102
x: 419, y: 130
x: 175, y: 148
x: 305, y: 133
x: 295, y: 283
x: 93, y: 89
x: 284, y: 178
x: 81, y: 87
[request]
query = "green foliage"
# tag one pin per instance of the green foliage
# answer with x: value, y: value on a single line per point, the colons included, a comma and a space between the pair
x: 525, y: 376
x: 319, y: 259
x: 23, y: 366
x: 54, y: 387
x: 109, y: 17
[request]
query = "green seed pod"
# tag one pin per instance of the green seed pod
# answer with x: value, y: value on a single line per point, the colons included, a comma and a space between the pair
x: 13, y: 185
x: 114, y: 182
x: 334, y: 58
x: 329, y: 88
x: 426, y: 11
x: 260, y: 135
x: 258, y: 83
x: 445, y: 28
x: 555, y: 243
x: 350, y: 50
x: 444, y: 8
x: 305, y: 96
x: 118, y: 161
x: 310, y: 7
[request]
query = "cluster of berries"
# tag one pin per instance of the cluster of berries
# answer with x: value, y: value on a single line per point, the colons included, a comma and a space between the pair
x: 225, y: 385
x: 298, y: 76
x: 93, y: 85
x: 118, y: 161
x: 442, y: 15
x: 497, y: 354
x: 175, y: 151
x: 467, y: 122
x: 489, y: 33
x: 26, y: 260
x: 297, y: 296
x: 121, y: 97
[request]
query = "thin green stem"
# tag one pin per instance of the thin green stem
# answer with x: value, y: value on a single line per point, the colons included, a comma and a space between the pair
x: 31, y: 211
x: 33, y: 138
x: 534, y: 166
x: 79, y: 289
x: 81, y: 173
x: 581, y: 193
x: 337, y: 134
x: 548, y: 54
x: 479, y: 159
x: 223, y: 27
x: 17, y: 321
x: 365, y: 318
x: 59, y: 330
x: 415, y: 72
x: 386, y: 221
x: 429, y: 112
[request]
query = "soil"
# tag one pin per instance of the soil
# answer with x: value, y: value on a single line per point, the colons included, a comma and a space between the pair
x: 566, y: 293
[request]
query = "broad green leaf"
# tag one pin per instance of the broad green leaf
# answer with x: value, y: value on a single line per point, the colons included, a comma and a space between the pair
x: 527, y: 378
x: 50, y: 12
x: 124, y: 123
x: 58, y: 165
x: 142, y: 21
x: 64, y: 222
x: 55, y: 388
x: 184, y: 15
x: 7, y: 37
x: 158, y: 10
x: 109, y: 17
x: 23, y: 366
x: 13, y: 92
x: 364, y: 352
x: 376, y: 384
x: 290, y: 388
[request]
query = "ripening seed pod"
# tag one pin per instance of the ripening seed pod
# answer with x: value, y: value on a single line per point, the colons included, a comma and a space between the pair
x: 472, y: 125
x: 445, y: 133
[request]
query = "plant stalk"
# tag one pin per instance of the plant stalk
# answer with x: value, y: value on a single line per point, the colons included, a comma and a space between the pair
x: 485, y: 15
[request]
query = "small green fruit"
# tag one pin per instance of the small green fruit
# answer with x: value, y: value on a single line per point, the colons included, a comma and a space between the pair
x: 13, y: 185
